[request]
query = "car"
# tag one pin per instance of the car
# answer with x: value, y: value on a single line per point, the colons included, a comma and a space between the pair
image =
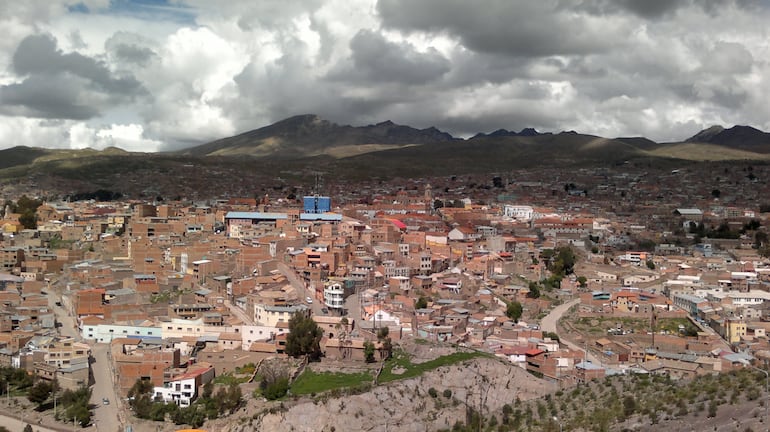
x: 325, y: 310
x: 309, y: 300
x: 105, y: 401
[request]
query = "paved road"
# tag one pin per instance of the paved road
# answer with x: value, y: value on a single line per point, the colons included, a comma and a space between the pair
x: 239, y: 313
x: 302, y: 291
x: 105, y: 416
x: 548, y: 324
x: 13, y: 424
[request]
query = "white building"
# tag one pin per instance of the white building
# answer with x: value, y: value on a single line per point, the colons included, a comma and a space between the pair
x: 105, y: 333
x: 334, y: 296
x: 183, y: 389
x: 270, y: 316
x: 519, y: 212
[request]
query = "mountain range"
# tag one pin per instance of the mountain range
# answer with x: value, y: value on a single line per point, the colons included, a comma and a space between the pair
x: 306, y: 144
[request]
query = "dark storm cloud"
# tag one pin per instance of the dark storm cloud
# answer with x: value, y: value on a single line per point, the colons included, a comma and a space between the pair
x: 45, y: 97
x: 76, y: 86
x: 642, y: 8
x: 378, y: 60
x: 528, y: 28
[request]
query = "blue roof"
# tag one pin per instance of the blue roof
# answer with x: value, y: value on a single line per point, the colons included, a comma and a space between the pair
x: 329, y: 217
x: 587, y: 366
x: 255, y: 215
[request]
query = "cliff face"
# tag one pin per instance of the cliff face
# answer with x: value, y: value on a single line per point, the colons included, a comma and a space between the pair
x: 482, y: 384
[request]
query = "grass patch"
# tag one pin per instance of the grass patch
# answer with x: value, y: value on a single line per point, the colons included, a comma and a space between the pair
x: 311, y: 382
x: 228, y: 378
x: 401, y: 360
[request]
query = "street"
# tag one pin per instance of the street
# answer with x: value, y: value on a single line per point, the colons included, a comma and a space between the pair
x: 548, y: 324
x: 105, y: 416
x: 239, y: 313
x: 302, y: 292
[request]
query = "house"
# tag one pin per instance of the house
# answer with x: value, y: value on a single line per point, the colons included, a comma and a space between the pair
x: 463, y: 234
x: 587, y: 371
x: 183, y: 389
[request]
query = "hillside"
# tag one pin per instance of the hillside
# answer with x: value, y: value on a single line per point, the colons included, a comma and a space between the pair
x: 296, y: 149
x: 309, y: 135
x: 737, y: 137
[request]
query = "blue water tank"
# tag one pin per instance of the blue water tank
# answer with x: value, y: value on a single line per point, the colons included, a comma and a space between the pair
x: 317, y: 204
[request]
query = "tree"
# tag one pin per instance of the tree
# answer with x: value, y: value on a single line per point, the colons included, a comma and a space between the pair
x: 582, y: 281
x: 275, y: 380
x: 27, y: 428
x: 437, y: 204
x: 28, y: 219
x: 39, y: 393
x: 514, y: 310
x: 421, y: 303
x: 369, y: 352
x: 387, y: 345
x: 304, y: 337
x: 139, y: 398
x: 534, y: 290
x: 650, y: 265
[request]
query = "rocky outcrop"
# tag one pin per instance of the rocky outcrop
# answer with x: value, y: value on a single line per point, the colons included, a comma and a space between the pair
x: 482, y: 384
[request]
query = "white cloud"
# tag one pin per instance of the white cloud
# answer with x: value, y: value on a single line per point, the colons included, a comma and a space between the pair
x: 210, y: 69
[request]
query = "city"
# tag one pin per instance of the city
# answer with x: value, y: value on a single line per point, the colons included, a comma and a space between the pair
x: 555, y: 279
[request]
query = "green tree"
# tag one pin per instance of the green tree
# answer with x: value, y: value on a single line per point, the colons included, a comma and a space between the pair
x: 28, y: 219
x: 421, y: 303
x: 277, y: 389
x: 650, y: 265
x: 39, y: 393
x: 582, y: 281
x: 534, y: 290
x: 629, y: 406
x: 514, y: 310
x: 304, y: 337
x: 369, y: 351
x: 27, y: 428
x: 275, y: 380
x: 387, y: 345
x: 564, y: 261
x: 139, y: 397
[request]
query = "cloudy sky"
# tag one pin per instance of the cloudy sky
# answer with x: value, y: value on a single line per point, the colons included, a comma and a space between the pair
x: 149, y: 75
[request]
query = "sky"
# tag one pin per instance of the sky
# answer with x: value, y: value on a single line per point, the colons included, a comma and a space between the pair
x: 158, y: 75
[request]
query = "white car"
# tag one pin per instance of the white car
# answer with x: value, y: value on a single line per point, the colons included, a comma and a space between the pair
x: 309, y: 300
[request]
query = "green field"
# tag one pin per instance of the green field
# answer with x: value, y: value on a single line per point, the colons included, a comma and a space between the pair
x: 312, y: 382
x: 401, y: 360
